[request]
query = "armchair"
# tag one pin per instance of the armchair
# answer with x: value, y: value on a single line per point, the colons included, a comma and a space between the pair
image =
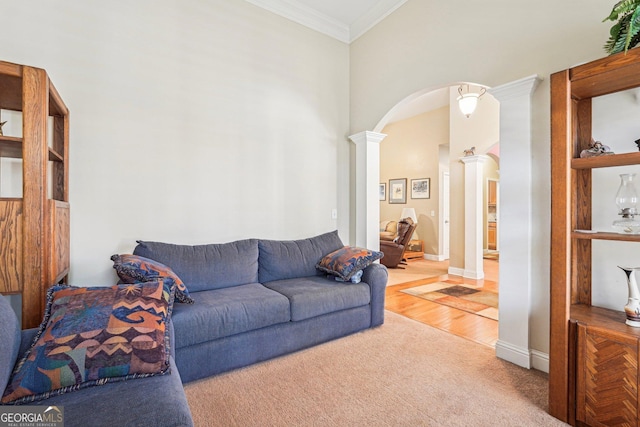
x: 394, y: 251
x: 388, y: 230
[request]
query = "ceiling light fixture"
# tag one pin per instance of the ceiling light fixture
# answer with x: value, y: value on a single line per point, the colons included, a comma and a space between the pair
x: 469, y: 101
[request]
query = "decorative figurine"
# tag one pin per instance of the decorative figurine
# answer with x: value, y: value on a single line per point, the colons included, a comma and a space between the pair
x: 470, y: 152
x: 632, y: 309
x: 596, y: 148
x: 2, y: 124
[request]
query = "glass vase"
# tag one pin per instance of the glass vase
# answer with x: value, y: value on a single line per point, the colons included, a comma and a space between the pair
x: 627, y: 199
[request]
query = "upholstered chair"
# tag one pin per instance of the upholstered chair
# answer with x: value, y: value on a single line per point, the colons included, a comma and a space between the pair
x: 394, y: 251
x: 389, y: 231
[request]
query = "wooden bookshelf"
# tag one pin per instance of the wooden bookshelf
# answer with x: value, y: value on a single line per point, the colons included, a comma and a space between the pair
x: 34, y: 251
x: 593, y: 358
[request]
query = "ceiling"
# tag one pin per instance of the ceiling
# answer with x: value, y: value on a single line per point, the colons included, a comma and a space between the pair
x: 345, y: 20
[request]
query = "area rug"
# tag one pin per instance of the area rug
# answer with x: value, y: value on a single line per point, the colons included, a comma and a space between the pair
x: 461, y: 296
x: 403, y: 373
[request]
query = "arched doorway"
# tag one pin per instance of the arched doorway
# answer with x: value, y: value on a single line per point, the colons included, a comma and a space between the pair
x: 418, y: 129
x: 516, y: 189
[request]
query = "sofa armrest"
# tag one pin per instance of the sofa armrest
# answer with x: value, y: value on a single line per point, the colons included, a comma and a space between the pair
x: 376, y: 277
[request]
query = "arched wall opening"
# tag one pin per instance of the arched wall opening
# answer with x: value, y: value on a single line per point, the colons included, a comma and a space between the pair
x: 516, y: 210
x: 427, y: 135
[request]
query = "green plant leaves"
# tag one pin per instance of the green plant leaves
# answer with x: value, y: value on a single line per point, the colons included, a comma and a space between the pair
x: 625, y: 33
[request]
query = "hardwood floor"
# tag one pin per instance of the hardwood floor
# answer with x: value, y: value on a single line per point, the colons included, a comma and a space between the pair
x: 467, y: 325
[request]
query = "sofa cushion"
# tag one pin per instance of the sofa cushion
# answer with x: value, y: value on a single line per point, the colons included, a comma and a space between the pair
x: 10, y: 339
x: 135, y: 268
x: 205, y: 267
x: 347, y: 261
x: 228, y: 311
x: 314, y: 296
x: 90, y: 336
x: 281, y: 260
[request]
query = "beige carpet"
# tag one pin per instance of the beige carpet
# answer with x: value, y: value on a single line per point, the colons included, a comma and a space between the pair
x: 403, y: 373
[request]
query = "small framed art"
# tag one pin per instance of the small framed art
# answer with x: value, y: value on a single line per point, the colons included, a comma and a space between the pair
x: 398, y: 190
x: 421, y: 188
x: 383, y: 191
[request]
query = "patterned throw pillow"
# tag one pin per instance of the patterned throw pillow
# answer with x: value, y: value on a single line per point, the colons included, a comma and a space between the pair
x: 134, y: 268
x: 91, y: 336
x: 347, y: 261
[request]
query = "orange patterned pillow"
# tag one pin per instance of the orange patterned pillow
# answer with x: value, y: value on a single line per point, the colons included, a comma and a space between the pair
x: 135, y: 268
x: 91, y: 336
x: 347, y: 261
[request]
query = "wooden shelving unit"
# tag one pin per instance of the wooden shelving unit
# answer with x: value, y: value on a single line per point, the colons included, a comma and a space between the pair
x: 34, y: 251
x: 594, y: 357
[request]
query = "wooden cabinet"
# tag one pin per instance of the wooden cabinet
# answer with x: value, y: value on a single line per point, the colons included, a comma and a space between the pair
x: 34, y: 251
x: 492, y: 214
x: 606, y: 376
x: 593, y: 358
x: 492, y: 236
x: 492, y: 196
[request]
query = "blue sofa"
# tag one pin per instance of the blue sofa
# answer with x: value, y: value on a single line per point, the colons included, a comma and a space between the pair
x: 258, y: 299
x: 254, y: 300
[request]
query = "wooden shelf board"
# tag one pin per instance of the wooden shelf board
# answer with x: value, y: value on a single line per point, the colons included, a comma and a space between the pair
x: 56, y: 104
x: 610, y: 160
x: 606, y: 236
x: 607, y: 75
x: 11, y: 147
x: 602, y: 318
x: 54, y: 156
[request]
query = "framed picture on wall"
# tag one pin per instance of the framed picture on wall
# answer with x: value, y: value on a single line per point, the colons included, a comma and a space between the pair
x: 421, y: 188
x: 398, y: 190
x: 383, y: 191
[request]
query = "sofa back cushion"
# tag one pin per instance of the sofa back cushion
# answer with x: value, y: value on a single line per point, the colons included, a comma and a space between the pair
x: 10, y: 339
x: 289, y: 259
x: 206, y: 267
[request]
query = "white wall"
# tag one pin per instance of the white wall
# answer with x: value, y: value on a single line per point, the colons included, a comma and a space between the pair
x: 432, y: 44
x: 411, y: 151
x: 191, y: 121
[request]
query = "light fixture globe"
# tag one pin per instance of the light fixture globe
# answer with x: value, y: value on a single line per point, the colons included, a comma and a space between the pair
x: 468, y: 102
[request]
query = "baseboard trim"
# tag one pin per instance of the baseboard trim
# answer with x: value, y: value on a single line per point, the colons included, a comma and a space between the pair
x: 473, y: 275
x: 540, y: 361
x: 438, y: 258
x: 517, y: 355
x: 456, y: 271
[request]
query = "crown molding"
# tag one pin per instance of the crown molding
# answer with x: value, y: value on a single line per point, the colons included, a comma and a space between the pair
x: 311, y: 18
x: 370, y: 19
x: 306, y: 16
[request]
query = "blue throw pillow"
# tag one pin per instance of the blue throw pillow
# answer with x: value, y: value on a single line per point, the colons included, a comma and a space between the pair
x: 134, y: 269
x: 347, y: 261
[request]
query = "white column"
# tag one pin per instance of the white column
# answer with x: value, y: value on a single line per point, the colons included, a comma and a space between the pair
x: 516, y: 211
x: 473, y: 209
x: 367, y: 207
